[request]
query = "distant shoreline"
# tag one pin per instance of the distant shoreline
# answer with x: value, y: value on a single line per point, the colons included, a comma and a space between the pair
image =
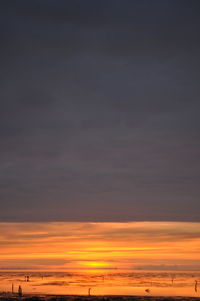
x: 49, y: 297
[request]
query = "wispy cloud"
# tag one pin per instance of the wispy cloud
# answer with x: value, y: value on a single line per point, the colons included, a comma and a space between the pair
x: 76, y: 245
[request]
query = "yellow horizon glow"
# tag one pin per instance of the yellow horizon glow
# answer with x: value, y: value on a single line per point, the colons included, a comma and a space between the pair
x: 67, y: 245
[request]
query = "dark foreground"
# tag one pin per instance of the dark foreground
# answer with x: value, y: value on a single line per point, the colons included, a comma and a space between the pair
x: 94, y: 298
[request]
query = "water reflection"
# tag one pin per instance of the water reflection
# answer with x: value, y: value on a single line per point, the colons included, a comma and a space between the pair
x: 103, y: 282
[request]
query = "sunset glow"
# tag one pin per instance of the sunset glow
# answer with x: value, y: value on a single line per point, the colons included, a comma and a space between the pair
x: 136, y: 245
x: 99, y: 150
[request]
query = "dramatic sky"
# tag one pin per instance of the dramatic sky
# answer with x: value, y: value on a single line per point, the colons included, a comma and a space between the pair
x: 99, y: 110
x: 140, y: 245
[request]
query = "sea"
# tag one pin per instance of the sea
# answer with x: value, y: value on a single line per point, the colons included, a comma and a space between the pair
x: 102, y: 282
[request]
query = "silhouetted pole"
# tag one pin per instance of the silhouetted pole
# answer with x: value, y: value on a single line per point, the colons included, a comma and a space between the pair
x: 20, y: 291
x: 195, y: 286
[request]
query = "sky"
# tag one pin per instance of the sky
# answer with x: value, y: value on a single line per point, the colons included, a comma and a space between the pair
x: 93, y: 246
x: 99, y: 111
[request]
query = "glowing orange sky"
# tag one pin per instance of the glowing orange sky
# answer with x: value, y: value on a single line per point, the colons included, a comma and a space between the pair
x: 100, y: 245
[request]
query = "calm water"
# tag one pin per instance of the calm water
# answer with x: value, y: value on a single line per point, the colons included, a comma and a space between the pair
x: 104, y: 282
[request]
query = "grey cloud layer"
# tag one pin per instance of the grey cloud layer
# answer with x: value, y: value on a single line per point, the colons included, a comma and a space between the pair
x: 99, y: 110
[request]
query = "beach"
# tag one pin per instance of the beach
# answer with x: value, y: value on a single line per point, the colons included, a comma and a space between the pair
x: 32, y: 297
x: 146, y: 284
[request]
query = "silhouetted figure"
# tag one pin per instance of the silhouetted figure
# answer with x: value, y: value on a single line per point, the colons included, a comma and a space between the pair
x: 20, y: 291
x: 27, y: 278
x: 12, y: 288
x: 89, y: 291
x: 195, y: 286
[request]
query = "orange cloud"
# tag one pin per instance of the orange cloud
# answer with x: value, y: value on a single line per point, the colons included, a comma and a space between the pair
x: 99, y: 245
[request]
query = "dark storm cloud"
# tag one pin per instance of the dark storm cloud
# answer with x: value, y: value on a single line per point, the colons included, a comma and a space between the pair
x: 99, y: 116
